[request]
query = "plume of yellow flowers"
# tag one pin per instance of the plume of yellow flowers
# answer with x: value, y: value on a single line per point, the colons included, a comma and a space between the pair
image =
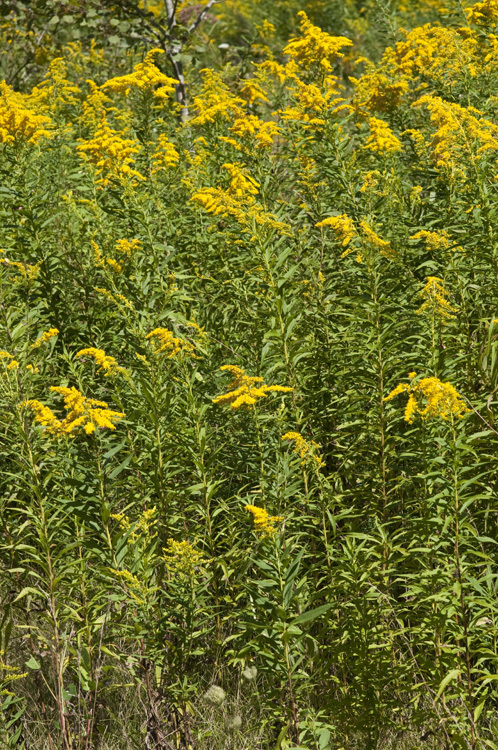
x: 26, y: 273
x: 435, y: 241
x: 245, y: 390
x: 86, y: 413
x: 44, y: 337
x: 94, y: 105
x: 345, y: 230
x: 436, y: 52
x: 457, y: 129
x: 382, y: 139
x: 264, y: 524
x: 182, y: 558
x: 168, y: 344
x: 165, y: 156
x: 143, y: 527
x: 104, y: 362
x: 376, y: 242
x: 215, y: 101
x: 252, y: 91
x: 307, y: 450
x: 112, y: 154
x: 128, y: 247
x: 146, y: 75
x: 56, y: 90
x: 429, y: 398
x: 251, y: 130
x: 435, y: 302
x: 8, y: 361
x: 376, y: 90
x: 343, y: 227
x: 314, y: 46
x: 20, y: 120
x: 242, y: 185
x: 119, y: 300
x: 483, y: 14
x: 312, y: 102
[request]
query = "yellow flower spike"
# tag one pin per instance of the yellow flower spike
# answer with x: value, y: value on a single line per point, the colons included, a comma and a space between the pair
x: 83, y: 412
x: 128, y: 247
x: 264, y: 524
x: 104, y: 362
x: 215, y: 102
x: 376, y: 242
x: 183, y: 559
x: 343, y: 227
x: 165, y: 156
x: 45, y: 337
x: 306, y: 450
x: 245, y: 390
x: 146, y: 75
x: 43, y: 415
x: 314, y: 46
x: 21, y: 120
x: 430, y: 398
x: 112, y: 155
x: 168, y: 344
x: 381, y: 139
x: 483, y: 14
x: 435, y: 302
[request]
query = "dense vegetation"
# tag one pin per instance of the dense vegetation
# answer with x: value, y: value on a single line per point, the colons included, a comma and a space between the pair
x: 248, y: 375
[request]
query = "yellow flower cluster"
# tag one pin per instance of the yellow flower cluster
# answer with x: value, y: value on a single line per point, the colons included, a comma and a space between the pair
x: 382, y: 139
x: 104, y: 362
x: 435, y: 52
x: 220, y: 203
x: 305, y: 449
x: 313, y: 103
x: 117, y: 299
x: 182, y: 558
x: 435, y: 241
x: 345, y: 230
x: 459, y: 133
x: 94, y: 105
x: 27, y: 272
x: 375, y: 91
x: 112, y: 154
x: 343, y: 227
x: 102, y: 262
x: 252, y: 91
x: 314, y: 46
x: 12, y: 364
x: 484, y: 14
x: 264, y: 524
x: 165, y: 156
x: 44, y: 337
x: 20, y: 120
x: 376, y: 242
x: 245, y: 390
x: 128, y: 247
x: 429, y: 398
x: 132, y: 585
x: 242, y: 186
x: 250, y: 129
x: 436, y: 303
x: 145, y: 76
x: 170, y: 345
x: 82, y: 412
x: 215, y: 100
x: 56, y: 90
x: 144, y: 526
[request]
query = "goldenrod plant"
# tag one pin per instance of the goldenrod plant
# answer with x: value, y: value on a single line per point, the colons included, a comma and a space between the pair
x: 248, y: 375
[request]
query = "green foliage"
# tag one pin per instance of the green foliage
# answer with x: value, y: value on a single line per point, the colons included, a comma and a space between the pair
x: 248, y: 375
